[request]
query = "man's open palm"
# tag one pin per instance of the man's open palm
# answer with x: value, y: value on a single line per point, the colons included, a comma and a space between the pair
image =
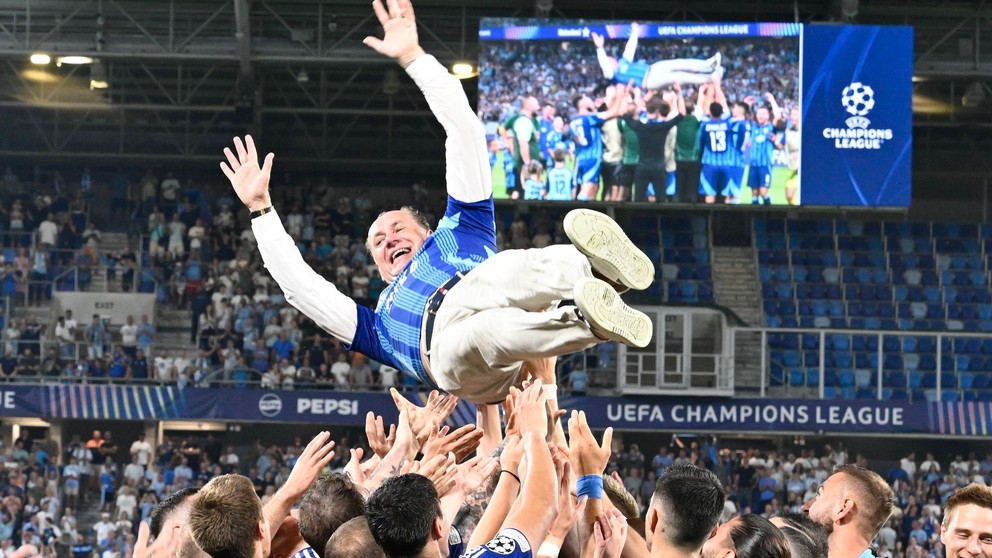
x: 250, y: 181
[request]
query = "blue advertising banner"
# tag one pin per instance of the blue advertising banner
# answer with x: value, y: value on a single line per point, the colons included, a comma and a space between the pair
x: 342, y: 408
x: 857, y: 115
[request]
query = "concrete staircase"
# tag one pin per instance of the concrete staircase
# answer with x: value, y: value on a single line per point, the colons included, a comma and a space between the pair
x: 736, y: 286
x: 109, y: 242
x: 172, y: 332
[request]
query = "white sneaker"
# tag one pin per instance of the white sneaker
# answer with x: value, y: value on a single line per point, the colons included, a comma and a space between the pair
x: 608, y: 316
x: 716, y: 60
x: 611, y: 253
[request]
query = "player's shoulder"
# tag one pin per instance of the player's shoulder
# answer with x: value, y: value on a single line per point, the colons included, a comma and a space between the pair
x: 507, y: 543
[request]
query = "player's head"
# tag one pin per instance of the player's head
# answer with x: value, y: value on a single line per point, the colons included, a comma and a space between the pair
x: 795, y: 116
x: 738, y: 110
x: 807, y: 539
x: 852, y: 497
x: 657, y: 106
x: 353, y: 540
x: 328, y: 504
x: 558, y: 124
x: 394, y: 238
x: 746, y: 536
x: 967, y: 527
x: 226, y: 519
x: 535, y: 168
x: 404, y: 515
x: 685, y: 507
x: 583, y: 104
x: 716, y: 110
x: 559, y: 155
x: 172, y: 512
x: 690, y: 105
x: 529, y: 105
x: 548, y: 111
x: 762, y: 115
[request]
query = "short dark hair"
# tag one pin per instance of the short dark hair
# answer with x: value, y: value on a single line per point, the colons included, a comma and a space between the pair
x: 576, y: 99
x: 328, y: 504
x: 401, y: 514
x: 716, y: 110
x: 656, y: 105
x: 693, y: 500
x: 353, y: 540
x: 973, y: 494
x: 418, y: 216
x: 224, y: 517
x: 558, y: 155
x: 166, y: 507
x: 807, y: 538
x: 877, y: 498
x: 756, y: 537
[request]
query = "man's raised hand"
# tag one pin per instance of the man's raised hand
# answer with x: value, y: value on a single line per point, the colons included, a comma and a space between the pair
x: 588, y: 457
x: 250, y: 181
x: 400, y: 41
x: 312, y: 460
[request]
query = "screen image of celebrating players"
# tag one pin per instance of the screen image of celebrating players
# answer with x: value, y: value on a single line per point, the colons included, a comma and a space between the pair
x: 558, y: 132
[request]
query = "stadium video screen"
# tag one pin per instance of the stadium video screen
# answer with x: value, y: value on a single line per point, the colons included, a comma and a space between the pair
x: 738, y: 113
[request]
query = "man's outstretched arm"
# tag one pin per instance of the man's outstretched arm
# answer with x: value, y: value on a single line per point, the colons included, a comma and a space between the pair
x: 304, y: 288
x: 468, y: 176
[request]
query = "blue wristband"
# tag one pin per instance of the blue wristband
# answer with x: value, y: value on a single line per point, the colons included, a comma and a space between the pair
x: 590, y: 485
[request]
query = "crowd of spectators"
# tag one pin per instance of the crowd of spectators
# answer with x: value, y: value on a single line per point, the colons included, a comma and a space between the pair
x: 555, y: 72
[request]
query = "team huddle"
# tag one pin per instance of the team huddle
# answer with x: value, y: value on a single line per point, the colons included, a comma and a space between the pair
x: 643, y: 138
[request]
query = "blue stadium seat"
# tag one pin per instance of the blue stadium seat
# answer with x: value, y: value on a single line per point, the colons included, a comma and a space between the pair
x: 812, y: 377
x: 966, y: 380
x: 895, y: 379
x: 981, y: 381
x: 949, y: 395
x: 863, y: 378
x: 845, y: 378
x: 797, y: 377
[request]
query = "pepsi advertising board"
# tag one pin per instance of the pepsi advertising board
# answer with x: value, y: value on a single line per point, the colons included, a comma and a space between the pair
x: 816, y: 115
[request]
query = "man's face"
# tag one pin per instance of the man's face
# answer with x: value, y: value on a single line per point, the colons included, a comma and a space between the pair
x: 531, y: 105
x: 393, y: 239
x: 967, y: 533
x: 548, y: 112
x: 720, y: 545
x: 829, y: 500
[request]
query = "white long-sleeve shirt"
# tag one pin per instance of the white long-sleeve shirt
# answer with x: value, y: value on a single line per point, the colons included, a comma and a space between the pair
x: 469, y: 180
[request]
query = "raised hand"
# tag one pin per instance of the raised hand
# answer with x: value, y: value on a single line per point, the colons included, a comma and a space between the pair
x: 461, y: 442
x: 251, y: 182
x: 597, y: 40
x: 471, y: 474
x: 400, y: 41
x: 531, y: 411
x: 610, y: 533
x: 312, y: 460
x: 426, y: 419
x: 379, y: 441
x: 588, y: 457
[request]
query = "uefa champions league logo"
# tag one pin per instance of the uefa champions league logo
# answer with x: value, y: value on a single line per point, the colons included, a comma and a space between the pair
x: 858, y: 99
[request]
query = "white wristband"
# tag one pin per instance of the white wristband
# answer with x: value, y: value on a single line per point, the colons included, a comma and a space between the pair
x: 550, y: 391
x: 549, y: 549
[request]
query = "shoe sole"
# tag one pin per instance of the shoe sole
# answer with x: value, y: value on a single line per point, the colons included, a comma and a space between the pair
x: 609, y: 316
x: 609, y: 249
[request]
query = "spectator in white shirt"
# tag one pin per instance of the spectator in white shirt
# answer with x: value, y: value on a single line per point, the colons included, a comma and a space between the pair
x: 129, y: 337
x: 48, y: 232
x: 182, y: 475
x: 930, y: 465
x: 126, y: 502
x: 908, y: 464
x: 134, y: 471
x: 387, y: 376
x: 103, y: 528
x: 141, y: 450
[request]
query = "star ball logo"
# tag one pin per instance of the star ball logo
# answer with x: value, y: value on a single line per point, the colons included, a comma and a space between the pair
x: 858, y: 99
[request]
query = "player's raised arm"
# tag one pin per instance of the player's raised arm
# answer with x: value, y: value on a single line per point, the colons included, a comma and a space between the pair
x: 304, y: 288
x: 606, y: 62
x: 469, y: 177
x: 631, y: 48
x: 618, y: 104
x: 775, y: 108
